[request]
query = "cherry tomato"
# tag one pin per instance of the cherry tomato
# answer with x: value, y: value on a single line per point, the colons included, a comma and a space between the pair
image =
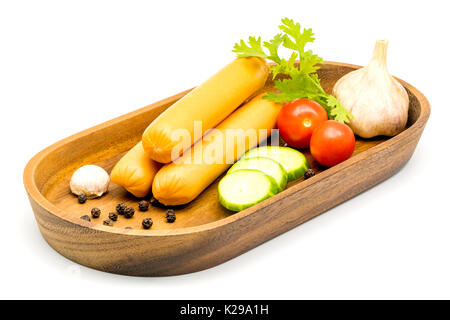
x: 297, y: 121
x: 332, y: 142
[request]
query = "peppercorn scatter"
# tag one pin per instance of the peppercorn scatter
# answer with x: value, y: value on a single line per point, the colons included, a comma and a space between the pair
x: 120, y: 208
x: 170, y: 216
x: 309, y: 173
x: 129, y: 212
x: 82, y: 198
x: 143, y: 205
x: 95, y: 212
x: 147, y: 223
x: 113, y: 216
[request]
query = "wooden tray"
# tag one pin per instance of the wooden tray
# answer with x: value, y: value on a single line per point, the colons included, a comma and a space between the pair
x: 204, y: 234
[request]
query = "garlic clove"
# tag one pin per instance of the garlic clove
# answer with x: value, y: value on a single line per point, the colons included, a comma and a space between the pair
x: 91, y: 180
x: 379, y: 103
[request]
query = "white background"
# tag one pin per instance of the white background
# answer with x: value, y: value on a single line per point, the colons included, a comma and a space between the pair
x: 68, y: 65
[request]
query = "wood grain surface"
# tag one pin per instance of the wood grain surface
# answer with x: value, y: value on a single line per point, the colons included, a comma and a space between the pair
x: 204, y: 234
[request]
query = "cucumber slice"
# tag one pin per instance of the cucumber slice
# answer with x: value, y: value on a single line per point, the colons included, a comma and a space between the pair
x: 265, y: 165
x: 293, y: 161
x: 244, y: 188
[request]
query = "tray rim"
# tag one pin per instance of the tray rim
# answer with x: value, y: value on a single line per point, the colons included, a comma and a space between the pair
x: 38, y: 197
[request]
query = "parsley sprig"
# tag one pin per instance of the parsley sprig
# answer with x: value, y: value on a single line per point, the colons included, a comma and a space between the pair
x: 302, y: 80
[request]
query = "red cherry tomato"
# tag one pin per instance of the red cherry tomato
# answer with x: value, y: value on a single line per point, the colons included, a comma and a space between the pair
x: 332, y: 142
x: 297, y: 121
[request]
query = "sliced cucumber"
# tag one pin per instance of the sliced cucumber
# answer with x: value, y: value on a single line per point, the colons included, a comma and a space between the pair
x: 244, y: 188
x: 265, y: 165
x: 293, y: 161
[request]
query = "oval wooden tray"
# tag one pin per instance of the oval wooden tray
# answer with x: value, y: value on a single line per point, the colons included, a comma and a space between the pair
x: 204, y: 234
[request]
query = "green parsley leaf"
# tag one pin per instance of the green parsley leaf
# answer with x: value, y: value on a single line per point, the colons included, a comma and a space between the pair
x: 299, y: 86
x: 253, y: 50
x: 302, y: 80
x: 273, y: 46
x: 299, y: 39
x: 337, y: 110
x: 285, y: 67
x: 311, y: 62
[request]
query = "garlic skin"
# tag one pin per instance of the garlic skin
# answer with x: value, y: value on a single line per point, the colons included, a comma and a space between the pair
x: 91, y: 180
x: 378, y: 102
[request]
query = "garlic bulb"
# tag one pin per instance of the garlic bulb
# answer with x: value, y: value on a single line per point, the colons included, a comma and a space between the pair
x: 91, y: 180
x: 378, y: 102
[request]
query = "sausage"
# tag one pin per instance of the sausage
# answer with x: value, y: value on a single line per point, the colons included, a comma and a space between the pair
x: 184, y: 179
x: 209, y: 103
x: 135, y: 171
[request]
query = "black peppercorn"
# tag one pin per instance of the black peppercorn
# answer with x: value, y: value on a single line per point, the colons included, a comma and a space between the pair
x: 85, y: 217
x: 82, y: 198
x: 128, y: 228
x: 143, y: 205
x: 170, y: 216
x: 95, y: 212
x: 129, y: 212
x: 147, y: 223
x: 113, y: 216
x: 108, y: 223
x: 156, y: 203
x: 309, y: 173
x: 120, y: 208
